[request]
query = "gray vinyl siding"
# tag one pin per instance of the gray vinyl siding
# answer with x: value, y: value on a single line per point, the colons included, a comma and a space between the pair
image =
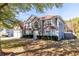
x: 60, y: 29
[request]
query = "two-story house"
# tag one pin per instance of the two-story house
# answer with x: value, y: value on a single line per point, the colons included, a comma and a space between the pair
x: 47, y: 26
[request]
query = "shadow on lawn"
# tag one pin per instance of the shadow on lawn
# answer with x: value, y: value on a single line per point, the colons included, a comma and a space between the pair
x: 47, y: 46
x: 38, y: 47
x: 41, y: 48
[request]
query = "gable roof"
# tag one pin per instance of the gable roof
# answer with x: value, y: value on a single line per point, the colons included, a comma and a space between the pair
x: 31, y: 18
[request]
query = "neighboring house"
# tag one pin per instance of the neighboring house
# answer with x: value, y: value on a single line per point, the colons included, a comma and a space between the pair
x: 45, y: 26
x: 3, y: 32
x: 15, y: 32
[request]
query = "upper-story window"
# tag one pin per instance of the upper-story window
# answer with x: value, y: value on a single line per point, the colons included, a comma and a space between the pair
x: 36, y: 24
x: 54, y: 21
x: 30, y: 25
x: 47, y: 22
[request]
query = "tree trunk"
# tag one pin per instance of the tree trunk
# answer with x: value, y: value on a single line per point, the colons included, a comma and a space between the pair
x: 0, y: 47
x: 1, y: 52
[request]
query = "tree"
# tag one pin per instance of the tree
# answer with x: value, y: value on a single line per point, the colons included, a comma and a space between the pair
x: 9, y: 11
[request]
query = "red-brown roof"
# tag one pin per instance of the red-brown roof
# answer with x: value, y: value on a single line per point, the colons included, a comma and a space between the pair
x: 47, y: 17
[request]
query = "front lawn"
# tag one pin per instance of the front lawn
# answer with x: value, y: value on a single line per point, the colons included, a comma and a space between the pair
x: 13, y: 43
x: 42, y: 47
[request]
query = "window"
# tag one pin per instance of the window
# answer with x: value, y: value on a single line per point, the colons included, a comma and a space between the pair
x: 36, y: 25
x: 47, y: 22
x: 54, y: 21
x: 29, y: 25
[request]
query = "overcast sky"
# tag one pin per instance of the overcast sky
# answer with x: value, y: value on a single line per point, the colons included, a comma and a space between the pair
x: 68, y: 11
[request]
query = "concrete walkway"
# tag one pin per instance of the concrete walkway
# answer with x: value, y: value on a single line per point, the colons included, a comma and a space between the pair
x: 9, y: 38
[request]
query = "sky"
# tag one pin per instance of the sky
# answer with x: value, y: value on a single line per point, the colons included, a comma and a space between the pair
x: 67, y: 11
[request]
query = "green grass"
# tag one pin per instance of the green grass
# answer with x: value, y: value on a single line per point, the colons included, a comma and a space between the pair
x: 16, y: 43
x: 12, y: 43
